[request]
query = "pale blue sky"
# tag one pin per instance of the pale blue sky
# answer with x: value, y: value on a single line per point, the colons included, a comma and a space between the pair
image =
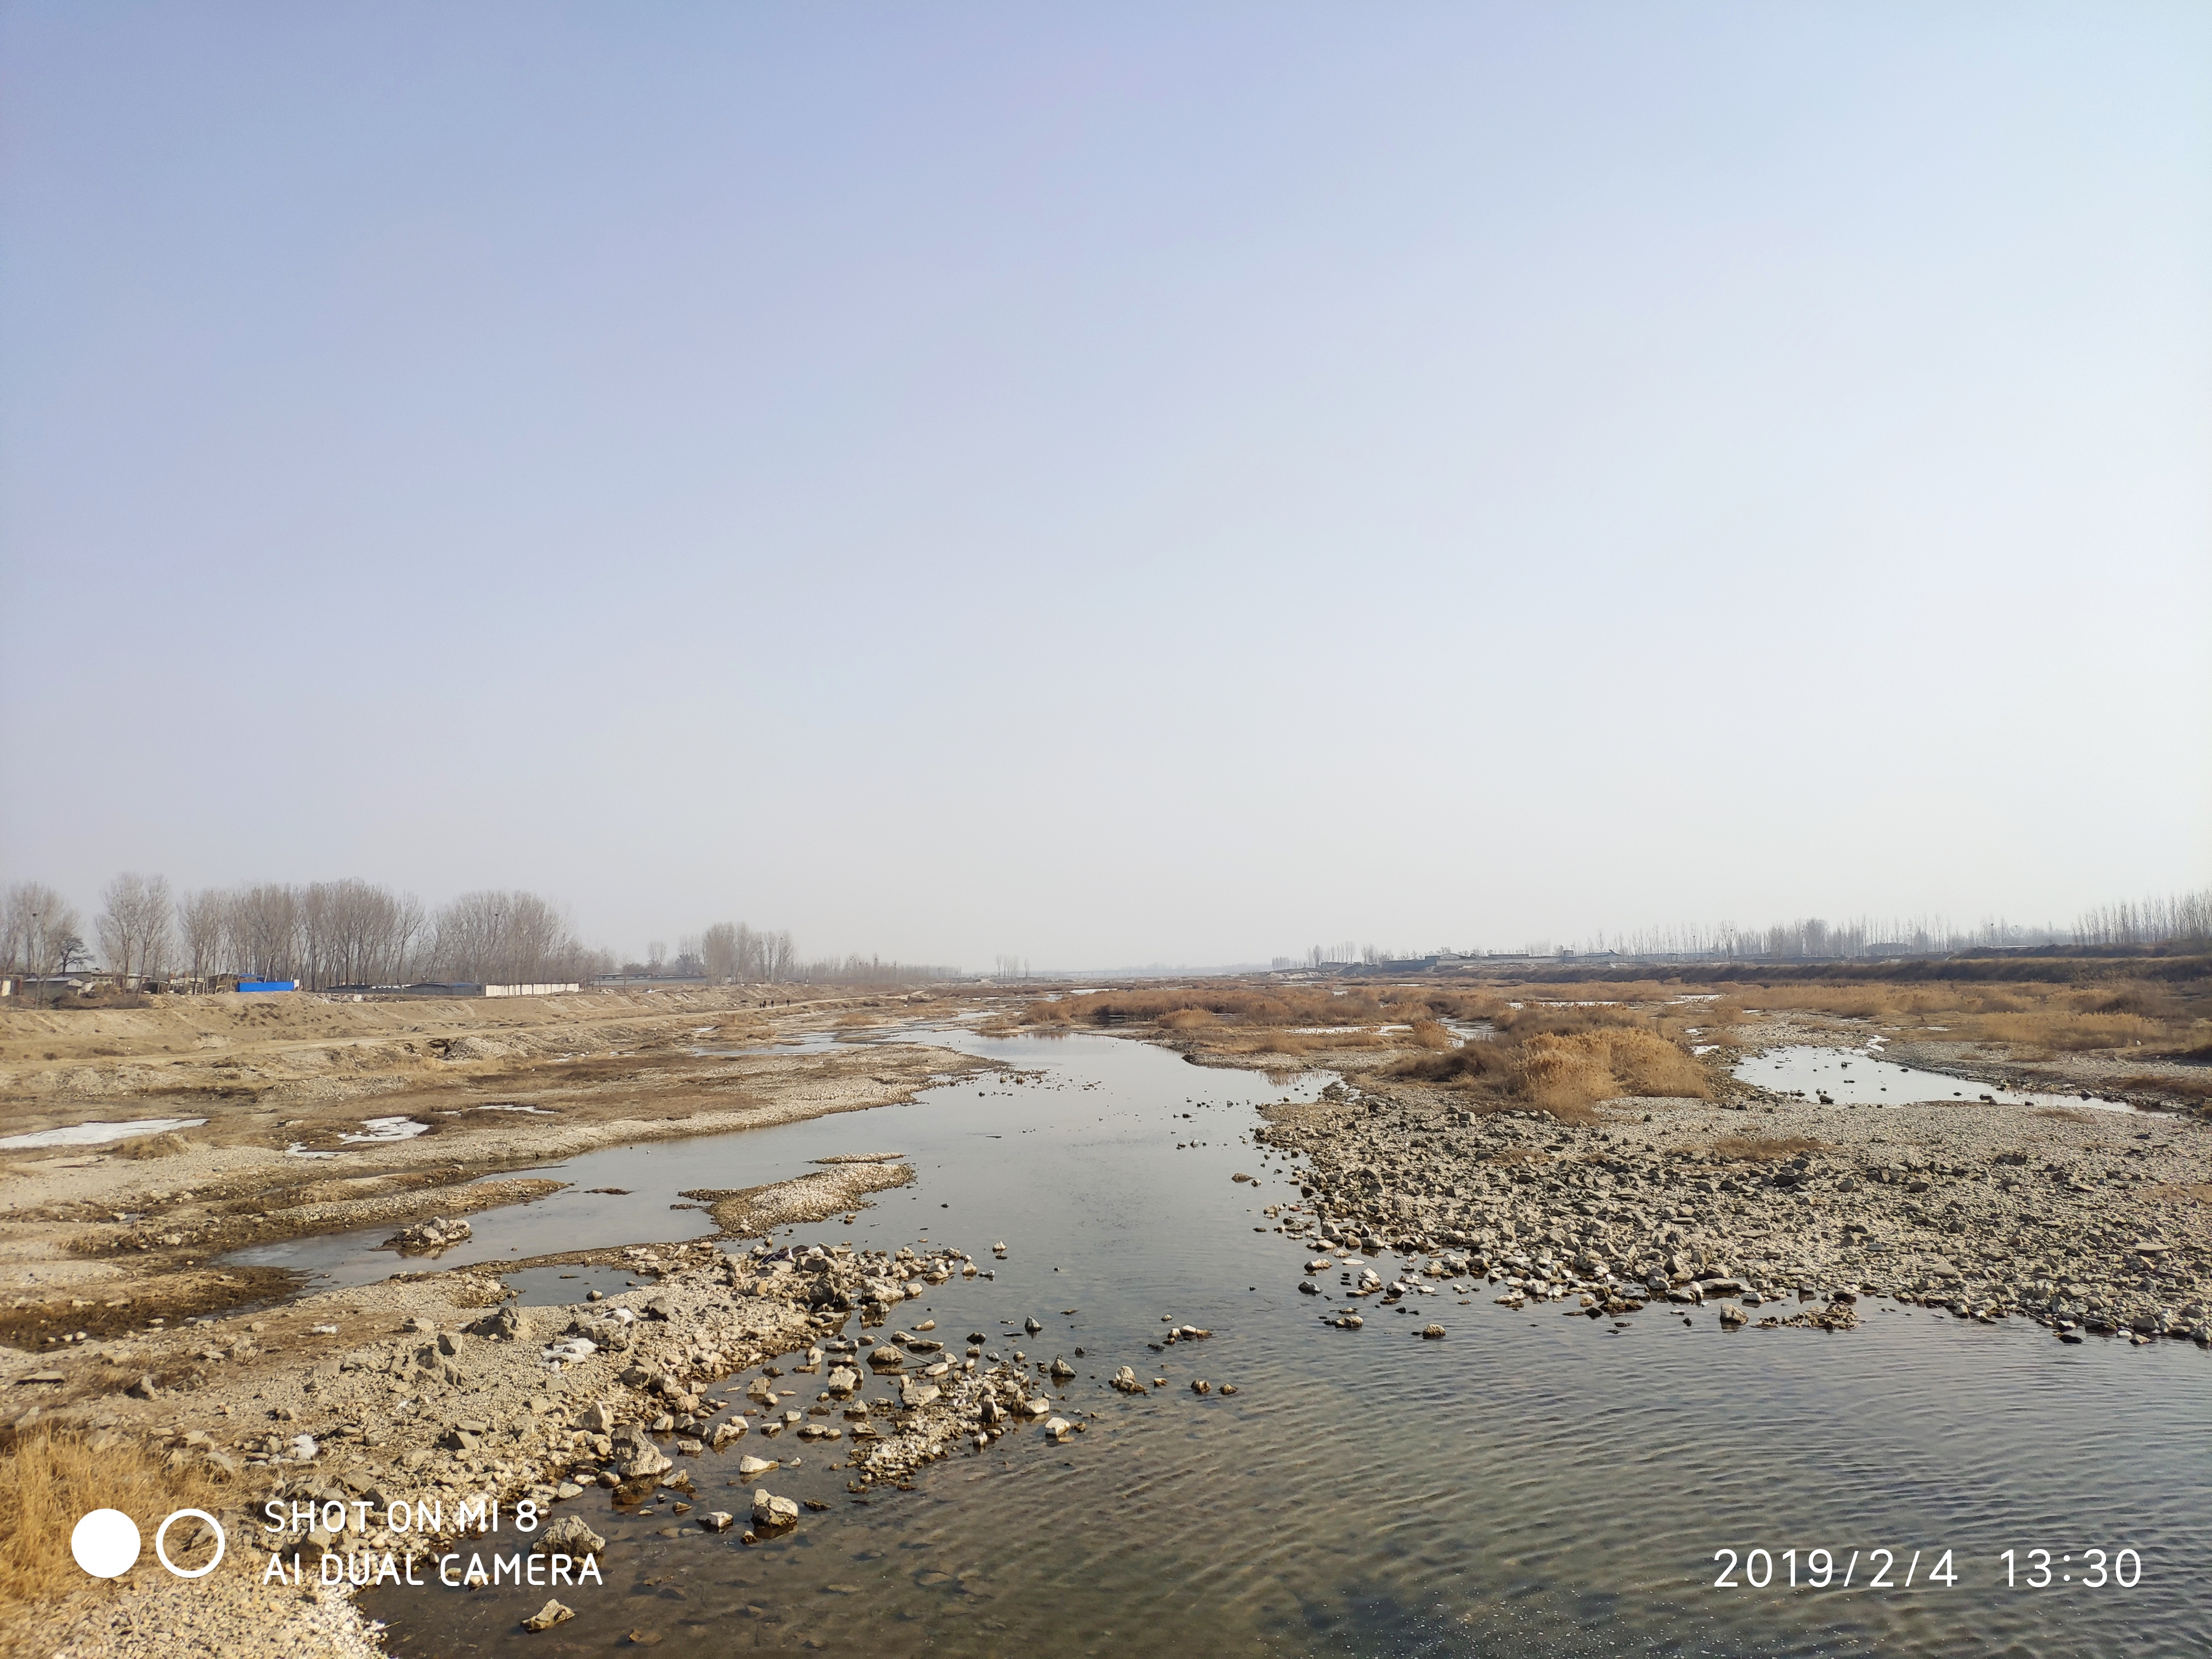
x: 1147, y: 483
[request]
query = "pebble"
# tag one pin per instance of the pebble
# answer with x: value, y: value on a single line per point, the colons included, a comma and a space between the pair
x: 546, y: 1617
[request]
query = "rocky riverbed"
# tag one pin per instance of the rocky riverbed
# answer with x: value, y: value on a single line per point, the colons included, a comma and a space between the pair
x: 2086, y: 1222
x: 437, y: 1395
x: 779, y: 1366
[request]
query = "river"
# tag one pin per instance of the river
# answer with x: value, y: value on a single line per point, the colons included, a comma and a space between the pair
x: 1529, y: 1485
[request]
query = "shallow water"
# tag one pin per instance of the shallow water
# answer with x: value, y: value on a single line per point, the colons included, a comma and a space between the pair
x: 1532, y: 1484
x: 618, y: 1195
x: 1863, y: 1078
x: 539, y: 1287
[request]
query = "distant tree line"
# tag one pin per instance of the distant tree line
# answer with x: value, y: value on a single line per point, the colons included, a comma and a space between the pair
x: 321, y: 934
x: 2183, y: 919
x: 355, y: 932
x: 2178, y: 919
x: 731, y: 953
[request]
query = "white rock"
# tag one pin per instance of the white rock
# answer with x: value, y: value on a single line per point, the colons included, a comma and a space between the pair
x: 569, y: 1535
x: 546, y: 1617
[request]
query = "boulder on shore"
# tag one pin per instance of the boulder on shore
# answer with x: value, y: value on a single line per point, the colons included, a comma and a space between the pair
x: 428, y: 1237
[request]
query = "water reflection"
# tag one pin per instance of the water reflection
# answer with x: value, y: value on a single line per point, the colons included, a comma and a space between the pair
x: 1525, y: 1487
x: 1860, y: 1078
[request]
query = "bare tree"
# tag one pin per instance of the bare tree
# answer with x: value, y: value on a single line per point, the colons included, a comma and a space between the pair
x: 718, y: 951
x: 264, y: 935
x: 510, y: 939
x: 157, y: 934
x: 204, y: 925
x: 35, y: 923
x: 134, y: 925
x: 354, y: 932
x: 730, y: 953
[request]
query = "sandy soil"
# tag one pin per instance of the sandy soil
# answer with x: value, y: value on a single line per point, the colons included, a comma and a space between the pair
x: 119, y: 1322
x: 95, y: 1239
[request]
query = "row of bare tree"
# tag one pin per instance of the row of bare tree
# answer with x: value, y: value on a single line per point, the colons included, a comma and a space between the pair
x: 323, y: 934
x: 2179, y: 918
x: 733, y: 954
x: 2176, y: 919
x: 355, y: 932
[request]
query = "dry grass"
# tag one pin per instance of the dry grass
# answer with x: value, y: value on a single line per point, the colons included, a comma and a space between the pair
x: 2184, y: 1193
x: 168, y: 1145
x: 1432, y: 1034
x: 2193, y: 1088
x: 2037, y: 1020
x: 1765, y: 1149
x: 2061, y: 1031
x: 1231, y: 1040
x: 1233, y: 1003
x: 48, y: 1479
x: 1488, y: 1066
x: 1519, y: 1155
x: 1187, y: 1019
x: 1229, y: 1002
x: 1565, y: 1072
x: 1586, y: 1066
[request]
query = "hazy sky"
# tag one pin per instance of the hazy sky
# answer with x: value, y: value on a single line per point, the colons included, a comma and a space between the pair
x: 1118, y: 484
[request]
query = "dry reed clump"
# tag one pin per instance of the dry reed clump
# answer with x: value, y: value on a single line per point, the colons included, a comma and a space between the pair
x: 1765, y: 1149
x: 1432, y: 1034
x: 1577, y: 1069
x: 1186, y: 1019
x: 1479, y: 1065
x: 166, y: 1145
x: 1559, y: 1018
x: 48, y: 1479
x: 1564, y: 1072
x: 1416, y: 1002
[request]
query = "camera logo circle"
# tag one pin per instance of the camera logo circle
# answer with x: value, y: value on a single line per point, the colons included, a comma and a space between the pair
x: 106, y: 1543
x: 220, y: 1543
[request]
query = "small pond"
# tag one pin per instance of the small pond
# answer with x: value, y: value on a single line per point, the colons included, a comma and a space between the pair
x: 1862, y: 1078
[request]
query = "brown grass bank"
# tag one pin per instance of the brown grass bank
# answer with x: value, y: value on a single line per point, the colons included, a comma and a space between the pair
x: 49, y: 1478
